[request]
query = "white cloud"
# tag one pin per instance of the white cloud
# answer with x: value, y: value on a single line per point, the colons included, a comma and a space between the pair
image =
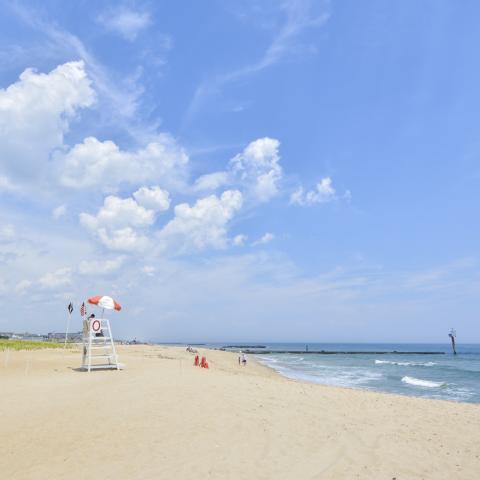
x: 114, y: 221
x: 148, y: 270
x: 124, y: 224
x: 6, y: 185
x: 118, y: 212
x: 7, y: 233
x: 99, y: 267
x: 211, y: 181
x: 23, y: 286
x: 267, y: 238
x: 119, y: 95
x: 56, y: 279
x: 239, y: 240
x: 154, y: 198
x: 125, y: 22
x: 202, y: 225
x: 323, y: 193
x: 258, y: 168
x: 35, y: 113
x: 93, y: 164
x: 126, y: 239
x: 59, y: 211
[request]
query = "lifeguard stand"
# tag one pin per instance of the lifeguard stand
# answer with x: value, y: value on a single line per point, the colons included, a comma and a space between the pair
x: 98, y: 349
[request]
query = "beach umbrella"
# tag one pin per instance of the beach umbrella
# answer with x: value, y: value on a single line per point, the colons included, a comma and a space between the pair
x: 105, y: 301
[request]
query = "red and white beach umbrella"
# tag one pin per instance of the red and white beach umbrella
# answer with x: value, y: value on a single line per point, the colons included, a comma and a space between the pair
x: 104, y: 301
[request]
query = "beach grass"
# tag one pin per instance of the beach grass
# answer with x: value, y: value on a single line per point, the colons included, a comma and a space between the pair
x: 9, y: 344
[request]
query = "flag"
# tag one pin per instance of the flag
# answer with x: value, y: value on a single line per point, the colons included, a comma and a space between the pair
x: 70, y: 308
x: 83, y: 310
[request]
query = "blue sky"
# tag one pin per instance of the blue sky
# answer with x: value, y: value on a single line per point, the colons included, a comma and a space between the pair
x: 243, y: 170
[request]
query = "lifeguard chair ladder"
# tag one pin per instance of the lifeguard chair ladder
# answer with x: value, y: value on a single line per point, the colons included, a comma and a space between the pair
x: 98, y: 349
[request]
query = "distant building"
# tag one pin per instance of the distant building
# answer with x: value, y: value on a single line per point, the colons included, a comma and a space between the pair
x: 75, y: 336
x: 34, y: 337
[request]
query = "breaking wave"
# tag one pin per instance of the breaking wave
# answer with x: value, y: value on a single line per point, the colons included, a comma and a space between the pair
x: 405, y: 364
x: 418, y: 382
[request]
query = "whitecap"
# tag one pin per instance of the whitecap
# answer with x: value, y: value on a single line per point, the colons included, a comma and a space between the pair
x: 405, y: 364
x: 422, y: 383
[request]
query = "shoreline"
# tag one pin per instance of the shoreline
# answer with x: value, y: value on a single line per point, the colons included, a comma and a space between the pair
x: 406, y: 383
x: 367, y: 390
x: 360, y: 389
x: 163, y: 418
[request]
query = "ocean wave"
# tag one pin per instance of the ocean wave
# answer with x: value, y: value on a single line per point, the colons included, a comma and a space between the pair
x: 330, y: 376
x: 418, y: 382
x: 405, y: 364
x: 265, y: 359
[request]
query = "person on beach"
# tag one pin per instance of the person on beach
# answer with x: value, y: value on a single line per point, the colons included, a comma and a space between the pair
x: 244, y: 359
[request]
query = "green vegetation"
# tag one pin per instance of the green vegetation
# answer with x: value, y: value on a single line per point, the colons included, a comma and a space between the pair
x: 27, y: 344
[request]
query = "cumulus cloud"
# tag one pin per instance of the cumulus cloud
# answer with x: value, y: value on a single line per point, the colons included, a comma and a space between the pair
x: 239, y: 240
x: 323, y: 193
x: 59, y: 211
x: 202, y: 225
x: 94, y: 163
x: 154, y: 198
x: 126, y: 239
x: 258, y: 167
x: 35, y: 113
x: 115, y: 223
x: 56, y: 279
x: 256, y: 171
x: 125, y: 22
x: 118, y: 212
x: 267, y: 238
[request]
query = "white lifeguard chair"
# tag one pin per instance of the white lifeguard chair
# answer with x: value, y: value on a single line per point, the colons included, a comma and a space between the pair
x: 98, y: 349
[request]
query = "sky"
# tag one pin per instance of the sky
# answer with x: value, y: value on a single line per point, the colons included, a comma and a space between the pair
x: 247, y: 170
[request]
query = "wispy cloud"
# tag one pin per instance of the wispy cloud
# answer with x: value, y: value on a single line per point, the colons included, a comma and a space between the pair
x: 298, y: 18
x: 125, y: 21
x: 267, y: 238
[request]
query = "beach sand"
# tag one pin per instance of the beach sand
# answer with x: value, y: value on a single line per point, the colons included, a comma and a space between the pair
x: 162, y: 418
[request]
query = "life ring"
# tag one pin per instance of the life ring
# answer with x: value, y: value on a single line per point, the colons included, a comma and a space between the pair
x: 96, y: 325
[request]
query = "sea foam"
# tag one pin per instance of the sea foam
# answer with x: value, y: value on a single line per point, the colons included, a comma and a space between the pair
x: 422, y: 383
x: 405, y: 364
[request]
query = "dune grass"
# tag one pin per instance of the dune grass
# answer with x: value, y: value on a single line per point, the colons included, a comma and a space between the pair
x: 9, y: 344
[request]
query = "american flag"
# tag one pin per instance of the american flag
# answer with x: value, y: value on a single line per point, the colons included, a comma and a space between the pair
x: 83, y: 310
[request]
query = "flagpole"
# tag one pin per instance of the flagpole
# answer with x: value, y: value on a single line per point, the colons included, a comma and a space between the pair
x: 68, y: 324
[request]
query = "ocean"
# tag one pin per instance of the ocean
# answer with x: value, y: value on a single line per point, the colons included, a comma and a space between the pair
x: 447, y: 377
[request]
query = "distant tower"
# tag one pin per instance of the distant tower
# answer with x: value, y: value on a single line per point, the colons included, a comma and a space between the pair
x: 452, y: 336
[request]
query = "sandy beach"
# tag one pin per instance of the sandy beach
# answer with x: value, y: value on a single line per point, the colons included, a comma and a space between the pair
x: 162, y: 418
